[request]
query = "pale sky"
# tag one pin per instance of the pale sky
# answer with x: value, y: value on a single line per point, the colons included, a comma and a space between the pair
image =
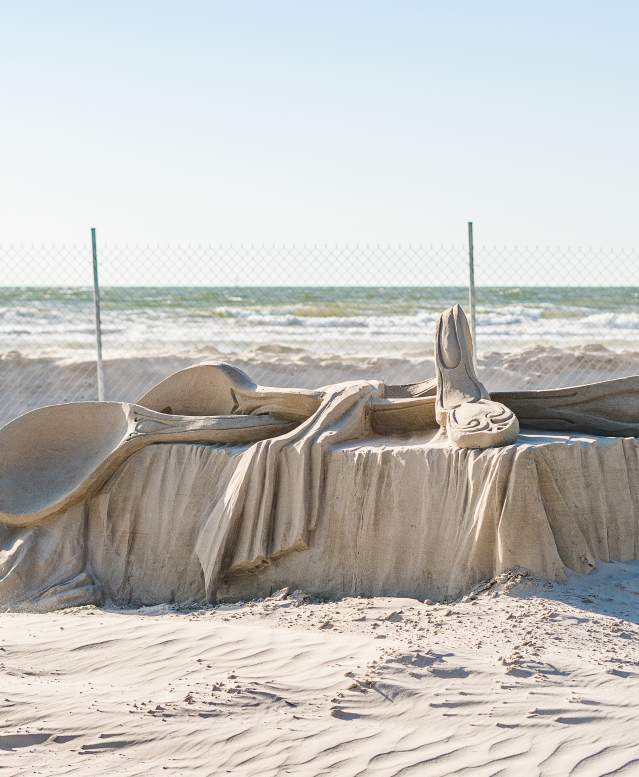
x: 333, y: 121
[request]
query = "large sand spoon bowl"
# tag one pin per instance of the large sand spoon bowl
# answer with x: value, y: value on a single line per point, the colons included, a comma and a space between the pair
x: 54, y: 456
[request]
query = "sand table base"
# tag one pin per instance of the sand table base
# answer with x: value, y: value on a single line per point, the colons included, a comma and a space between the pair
x: 410, y: 517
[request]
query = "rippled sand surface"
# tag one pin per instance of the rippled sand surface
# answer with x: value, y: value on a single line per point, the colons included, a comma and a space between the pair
x: 522, y: 678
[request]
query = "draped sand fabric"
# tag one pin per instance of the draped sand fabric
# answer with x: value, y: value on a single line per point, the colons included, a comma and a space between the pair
x: 274, y: 498
x: 332, y: 509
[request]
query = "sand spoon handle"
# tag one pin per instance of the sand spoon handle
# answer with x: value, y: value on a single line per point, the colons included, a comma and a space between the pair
x: 145, y: 423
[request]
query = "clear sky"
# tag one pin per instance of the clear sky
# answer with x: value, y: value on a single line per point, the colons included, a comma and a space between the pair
x: 301, y: 121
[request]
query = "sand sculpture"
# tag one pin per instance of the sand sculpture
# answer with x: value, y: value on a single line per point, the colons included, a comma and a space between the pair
x: 284, y: 470
x: 463, y: 406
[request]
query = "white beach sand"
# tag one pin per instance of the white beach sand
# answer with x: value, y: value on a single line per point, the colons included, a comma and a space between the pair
x: 526, y: 678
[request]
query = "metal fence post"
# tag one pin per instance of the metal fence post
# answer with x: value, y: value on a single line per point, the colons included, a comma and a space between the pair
x: 471, y: 286
x: 98, y: 323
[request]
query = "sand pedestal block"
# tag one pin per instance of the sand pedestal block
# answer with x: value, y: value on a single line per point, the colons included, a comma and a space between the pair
x: 407, y: 516
x: 422, y: 518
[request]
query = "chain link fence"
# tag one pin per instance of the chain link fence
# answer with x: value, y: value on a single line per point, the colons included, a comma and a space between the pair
x: 307, y: 315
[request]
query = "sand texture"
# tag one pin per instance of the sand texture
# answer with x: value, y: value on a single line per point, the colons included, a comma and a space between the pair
x: 522, y: 678
x: 406, y: 516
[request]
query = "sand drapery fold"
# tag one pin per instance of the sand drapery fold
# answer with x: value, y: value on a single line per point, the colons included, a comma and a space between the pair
x: 272, y: 502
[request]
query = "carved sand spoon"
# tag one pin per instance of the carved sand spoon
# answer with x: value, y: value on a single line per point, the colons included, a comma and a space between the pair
x: 55, y: 456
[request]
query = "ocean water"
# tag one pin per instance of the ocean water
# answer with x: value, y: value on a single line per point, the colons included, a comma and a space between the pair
x: 59, y: 321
